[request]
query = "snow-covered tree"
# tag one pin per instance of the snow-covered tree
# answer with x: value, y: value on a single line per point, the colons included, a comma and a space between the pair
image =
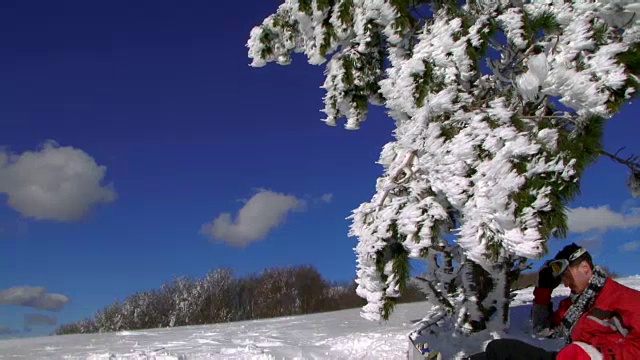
x: 139, y: 312
x: 84, y: 326
x: 87, y: 326
x: 217, y: 305
x: 499, y: 106
x: 184, y: 298
x: 277, y: 295
x: 110, y: 318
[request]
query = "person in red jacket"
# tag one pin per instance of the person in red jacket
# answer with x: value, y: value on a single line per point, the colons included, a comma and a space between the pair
x: 600, y: 320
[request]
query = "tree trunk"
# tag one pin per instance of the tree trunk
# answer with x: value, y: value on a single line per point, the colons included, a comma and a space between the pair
x: 490, y: 294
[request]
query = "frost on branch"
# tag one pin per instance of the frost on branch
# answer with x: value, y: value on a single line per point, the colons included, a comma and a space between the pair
x: 499, y: 107
x: 351, y: 32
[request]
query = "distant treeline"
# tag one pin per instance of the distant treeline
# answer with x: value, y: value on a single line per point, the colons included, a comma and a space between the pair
x: 221, y: 297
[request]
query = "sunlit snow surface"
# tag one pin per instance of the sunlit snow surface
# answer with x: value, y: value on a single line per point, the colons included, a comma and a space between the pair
x: 335, y: 335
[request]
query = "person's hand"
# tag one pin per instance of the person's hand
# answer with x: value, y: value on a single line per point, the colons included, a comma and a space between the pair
x: 546, y: 279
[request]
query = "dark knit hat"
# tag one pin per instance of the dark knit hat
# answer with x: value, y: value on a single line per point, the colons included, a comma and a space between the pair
x: 567, y: 251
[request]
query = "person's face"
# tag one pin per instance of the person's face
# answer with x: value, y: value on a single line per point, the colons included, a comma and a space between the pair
x: 576, y: 277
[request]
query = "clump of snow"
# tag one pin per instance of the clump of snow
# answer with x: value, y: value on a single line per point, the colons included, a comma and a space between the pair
x: 530, y: 82
x: 514, y: 27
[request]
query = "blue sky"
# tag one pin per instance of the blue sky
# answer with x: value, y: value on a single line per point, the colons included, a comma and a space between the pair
x: 161, y: 95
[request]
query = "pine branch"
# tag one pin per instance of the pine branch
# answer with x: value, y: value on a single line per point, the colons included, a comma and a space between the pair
x: 495, y: 68
x: 493, y: 43
x: 432, y: 321
x: 441, y: 298
x: 633, y: 17
x: 535, y: 117
x: 397, y: 177
x: 632, y: 162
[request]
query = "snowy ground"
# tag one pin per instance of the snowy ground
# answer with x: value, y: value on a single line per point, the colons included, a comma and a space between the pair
x: 336, y: 335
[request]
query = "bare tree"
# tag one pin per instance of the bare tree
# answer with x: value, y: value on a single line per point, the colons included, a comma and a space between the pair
x: 311, y: 289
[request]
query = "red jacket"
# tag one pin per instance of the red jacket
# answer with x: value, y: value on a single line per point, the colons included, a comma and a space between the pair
x: 611, y: 325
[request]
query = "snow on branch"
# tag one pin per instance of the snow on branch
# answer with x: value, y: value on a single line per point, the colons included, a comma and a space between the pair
x: 499, y: 106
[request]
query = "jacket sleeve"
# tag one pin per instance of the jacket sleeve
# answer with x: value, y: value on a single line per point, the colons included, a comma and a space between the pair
x: 542, y: 309
x: 542, y: 314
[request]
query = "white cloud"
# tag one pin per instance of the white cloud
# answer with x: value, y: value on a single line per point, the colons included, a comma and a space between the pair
x: 261, y: 213
x: 602, y: 218
x: 631, y: 246
x: 54, y: 183
x: 327, y: 197
x: 33, y: 296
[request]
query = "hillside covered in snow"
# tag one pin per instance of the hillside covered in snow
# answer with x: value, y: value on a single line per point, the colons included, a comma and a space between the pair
x: 332, y: 335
